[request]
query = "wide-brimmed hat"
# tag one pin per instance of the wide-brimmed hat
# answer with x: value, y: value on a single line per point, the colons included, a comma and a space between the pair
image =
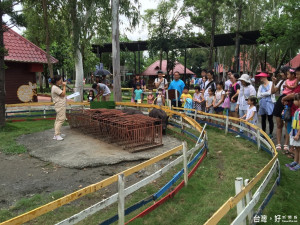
x: 246, y: 78
x: 261, y: 75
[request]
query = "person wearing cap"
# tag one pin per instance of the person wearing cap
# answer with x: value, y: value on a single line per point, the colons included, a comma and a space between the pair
x: 266, y: 103
x: 161, y: 82
x: 246, y: 90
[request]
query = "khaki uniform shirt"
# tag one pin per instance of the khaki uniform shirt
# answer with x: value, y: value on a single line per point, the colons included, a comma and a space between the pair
x: 57, y: 99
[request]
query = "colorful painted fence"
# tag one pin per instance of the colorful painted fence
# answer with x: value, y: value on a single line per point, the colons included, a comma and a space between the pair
x: 243, y: 199
x: 199, y: 150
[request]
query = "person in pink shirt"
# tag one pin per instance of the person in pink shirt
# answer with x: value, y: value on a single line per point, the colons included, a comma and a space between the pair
x: 290, y: 83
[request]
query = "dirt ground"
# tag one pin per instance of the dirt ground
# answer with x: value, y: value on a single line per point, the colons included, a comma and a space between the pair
x: 24, y: 175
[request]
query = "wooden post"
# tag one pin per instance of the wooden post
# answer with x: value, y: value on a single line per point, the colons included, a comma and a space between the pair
x: 248, y: 199
x: 176, y: 97
x: 116, y: 50
x: 258, y: 139
x: 139, y: 59
x: 227, y: 121
x: 134, y: 63
x: 121, y: 199
x: 241, y: 205
x: 185, y: 67
x: 167, y: 98
x: 181, y: 123
x: 44, y: 111
x: 184, y: 151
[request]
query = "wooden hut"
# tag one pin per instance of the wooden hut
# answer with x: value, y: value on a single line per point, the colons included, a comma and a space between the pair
x: 151, y: 71
x: 295, y: 62
x: 22, y: 62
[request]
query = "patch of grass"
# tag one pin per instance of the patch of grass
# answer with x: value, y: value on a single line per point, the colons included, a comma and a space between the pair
x: 12, y: 131
x: 213, y: 183
x: 286, y: 199
x: 208, y: 189
x: 27, y: 204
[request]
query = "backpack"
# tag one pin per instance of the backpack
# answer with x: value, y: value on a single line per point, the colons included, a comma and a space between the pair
x: 188, y: 104
x: 234, y: 86
x: 212, y: 86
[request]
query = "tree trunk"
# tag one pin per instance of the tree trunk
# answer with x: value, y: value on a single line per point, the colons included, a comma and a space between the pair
x: 224, y: 73
x: 281, y: 61
x: 160, y: 59
x: 212, y: 41
x: 40, y: 81
x: 116, y: 51
x: 244, y: 59
x: 237, y: 40
x: 47, y: 31
x: 79, y: 75
x: 167, y: 55
x: 76, y: 30
x: 2, y: 73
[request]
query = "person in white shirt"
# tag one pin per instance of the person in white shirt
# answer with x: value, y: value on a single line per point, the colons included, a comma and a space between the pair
x: 266, y: 103
x: 251, y: 114
x: 102, y: 90
x: 246, y: 90
x: 228, y: 82
x: 200, y: 81
x: 160, y: 82
x: 209, y: 84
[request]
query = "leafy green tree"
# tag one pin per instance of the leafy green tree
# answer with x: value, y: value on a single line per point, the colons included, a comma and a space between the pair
x: 283, y: 30
x: 207, y: 16
x: 164, y: 32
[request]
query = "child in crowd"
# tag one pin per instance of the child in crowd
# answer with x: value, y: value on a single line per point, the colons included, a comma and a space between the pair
x: 209, y: 101
x: 160, y: 99
x: 219, y: 99
x: 138, y: 94
x: 185, y: 94
x: 150, y: 97
x: 198, y: 99
x: 295, y: 136
x: 251, y: 115
x: 91, y: 96
x: 290, y: 83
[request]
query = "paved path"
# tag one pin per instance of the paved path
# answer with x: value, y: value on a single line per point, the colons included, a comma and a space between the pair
x: 80, y: 151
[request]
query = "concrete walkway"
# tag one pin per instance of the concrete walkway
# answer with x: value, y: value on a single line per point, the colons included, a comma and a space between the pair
x: 81, y: 151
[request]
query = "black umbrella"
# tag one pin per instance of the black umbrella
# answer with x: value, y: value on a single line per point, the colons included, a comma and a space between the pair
x: 102, y: 72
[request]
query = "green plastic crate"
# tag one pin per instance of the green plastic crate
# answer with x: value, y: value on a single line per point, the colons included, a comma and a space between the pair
x: 102, y: 105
